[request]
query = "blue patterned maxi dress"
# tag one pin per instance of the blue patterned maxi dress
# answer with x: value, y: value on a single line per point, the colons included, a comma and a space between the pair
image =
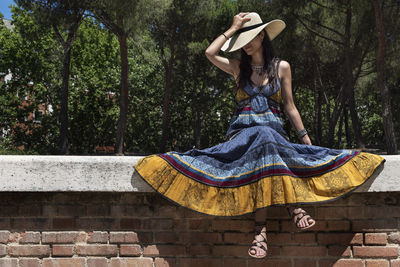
x: 257, y: 166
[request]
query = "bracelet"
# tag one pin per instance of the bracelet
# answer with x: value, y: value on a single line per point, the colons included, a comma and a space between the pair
x: 225, y: 36
x: 301, y: 133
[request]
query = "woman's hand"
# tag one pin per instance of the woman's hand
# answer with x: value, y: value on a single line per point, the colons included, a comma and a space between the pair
x: 238, y: 20
x: 306, y: 140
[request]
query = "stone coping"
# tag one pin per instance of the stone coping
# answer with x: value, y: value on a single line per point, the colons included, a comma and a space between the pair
x: 116, y: 174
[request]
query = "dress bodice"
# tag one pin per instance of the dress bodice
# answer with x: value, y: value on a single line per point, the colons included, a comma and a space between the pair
x: 276, y: 96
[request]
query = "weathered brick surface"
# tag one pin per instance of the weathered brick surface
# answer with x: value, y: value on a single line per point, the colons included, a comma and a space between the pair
x: 131, y: 262
x: 29, y: 237
x: 376, y: 263
x: 8, y: 262
x: 97, y: 262
x: 114, y: 230
x: 97, y: 250
x: 29, y: 262
x: 29, y: 250
x: 97, y: 237
x: 130, y: 250
x: 123, y: 237
x: 63, y: 250
x: 375, y: 238
x: 63, y: 237
x: 57, y: 262
x: 376, y: 251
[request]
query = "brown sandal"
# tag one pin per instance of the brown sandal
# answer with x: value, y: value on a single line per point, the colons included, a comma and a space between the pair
x: 304, y: 213
x: 262, y: 244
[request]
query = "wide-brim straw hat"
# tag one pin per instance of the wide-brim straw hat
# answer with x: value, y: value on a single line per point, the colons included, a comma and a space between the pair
x: 250, y: 29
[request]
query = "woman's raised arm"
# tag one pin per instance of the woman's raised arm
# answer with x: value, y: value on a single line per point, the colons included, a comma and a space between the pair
x: 230, y: 66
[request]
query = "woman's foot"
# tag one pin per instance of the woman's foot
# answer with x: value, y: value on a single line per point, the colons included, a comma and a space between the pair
x: 301, y: 218
x: 259, y: 245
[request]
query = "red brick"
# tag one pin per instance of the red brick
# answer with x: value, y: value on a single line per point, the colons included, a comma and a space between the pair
x: 4, y: 236
x: 29, y: 250
x: 394, y: 263
x: 165, y: 262
x: 198, y: 237
x: 97, y: 262
x: 97, y: 250
x: 71, y: 210
x: 199, y: 224
x: 9, y: 262
x: 97, y: 237
x: 64, y: 262
x: 303, y: 251
x: 164, y: 250
x: 200, y: 250
x: 31, y: 223
x: 63, y: 237
x: 63, y: 223
x: 355, y: 212
x: 375, y: 238
x: 240, y: 238
x: 348, y: 263
x: 386, y: 225
x: 130, y: 250
x: 331, y: 213
x: 63, y: 250
x: 166, y: 211
x: 304, y: 238
x: 376, y: 263
x: 235, y: 262
x: 166, y: 237
x: 130, y: 224
x: 123, y: 237
x: 28, y: 210
x: 94, y: 223
x: 193, y: 262
x: 305, y: 263
x: 269, y: 262
x: 277, y: 213
x: 374, y: 251
x: 29, y: 237
x: 339, y: 251
x: 158, y: 224
x: 339, y: 239
x: 233, y: 225
x: 394, y: 238
x: 275, y: 238
x: 29, y: 262
x: 230, y: 250
x: 131, y: 262
x: 145, y: 237
x: 3, y: 250
x: 98, y: 210
x: 338, y: 226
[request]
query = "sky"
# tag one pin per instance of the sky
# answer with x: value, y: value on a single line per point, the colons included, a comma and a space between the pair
x: 4, y: 8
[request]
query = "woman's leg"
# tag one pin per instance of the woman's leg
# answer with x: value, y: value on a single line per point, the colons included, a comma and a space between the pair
x: 259, y: 246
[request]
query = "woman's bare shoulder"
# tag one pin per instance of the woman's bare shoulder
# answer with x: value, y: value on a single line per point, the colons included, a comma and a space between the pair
x: 284, y: 68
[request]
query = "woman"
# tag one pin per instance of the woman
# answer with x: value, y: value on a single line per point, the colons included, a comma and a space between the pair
x: 257, y: 166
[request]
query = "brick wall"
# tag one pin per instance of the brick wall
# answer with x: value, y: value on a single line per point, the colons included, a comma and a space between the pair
x: 143, y: 229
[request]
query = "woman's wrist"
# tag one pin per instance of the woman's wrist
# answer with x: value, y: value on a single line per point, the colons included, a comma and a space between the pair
x: 301, y: 133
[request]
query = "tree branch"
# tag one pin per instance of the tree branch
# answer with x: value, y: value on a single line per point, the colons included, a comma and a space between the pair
x: 318, y: 34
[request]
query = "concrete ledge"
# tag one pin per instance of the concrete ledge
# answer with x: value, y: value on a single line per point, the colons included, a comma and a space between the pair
x: 116, y: 174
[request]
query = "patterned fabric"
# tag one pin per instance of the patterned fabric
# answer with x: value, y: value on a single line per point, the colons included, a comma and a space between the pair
x: 257, y: 166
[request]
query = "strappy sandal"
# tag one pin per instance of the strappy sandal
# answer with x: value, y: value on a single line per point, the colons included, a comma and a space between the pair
x: 310, y: 220
x: 262, y: 244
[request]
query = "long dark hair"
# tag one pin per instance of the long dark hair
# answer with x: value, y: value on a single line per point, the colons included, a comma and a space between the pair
x: 269, y: 63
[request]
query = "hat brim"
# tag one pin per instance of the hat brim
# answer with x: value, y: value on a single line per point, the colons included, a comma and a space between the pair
x: 237, y: 41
